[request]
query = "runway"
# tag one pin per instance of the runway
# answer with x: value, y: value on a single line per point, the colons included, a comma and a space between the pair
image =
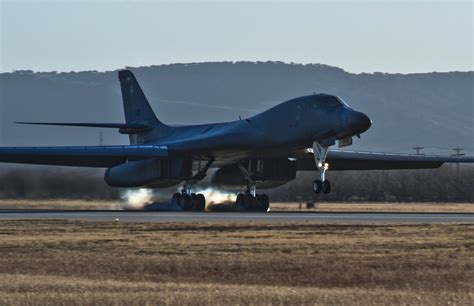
x: 192, y: 217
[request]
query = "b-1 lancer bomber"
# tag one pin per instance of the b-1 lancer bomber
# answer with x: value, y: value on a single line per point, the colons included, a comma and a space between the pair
x: 263, y: 151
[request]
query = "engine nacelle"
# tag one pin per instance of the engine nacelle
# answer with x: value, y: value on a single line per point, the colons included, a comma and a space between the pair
x: 266, y: 173
x: 149, y: 173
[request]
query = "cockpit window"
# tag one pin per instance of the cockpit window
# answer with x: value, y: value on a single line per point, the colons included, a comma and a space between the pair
x: 329, y: 100
x: 343, y: 102
x: 332, y: 101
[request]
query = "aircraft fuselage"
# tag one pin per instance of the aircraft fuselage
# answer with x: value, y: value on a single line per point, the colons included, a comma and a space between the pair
x: 291, y: 124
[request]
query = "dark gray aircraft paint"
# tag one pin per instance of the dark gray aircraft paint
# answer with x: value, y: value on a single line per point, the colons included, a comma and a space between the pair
x: 263, y: 151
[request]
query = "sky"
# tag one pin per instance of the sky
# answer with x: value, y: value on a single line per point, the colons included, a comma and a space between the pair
x: 358, y: 36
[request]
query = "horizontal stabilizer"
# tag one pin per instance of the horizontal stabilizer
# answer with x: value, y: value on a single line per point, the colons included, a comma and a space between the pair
x: 124, y: 128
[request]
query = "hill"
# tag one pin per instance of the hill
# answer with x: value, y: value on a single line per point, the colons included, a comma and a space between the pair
x: 430, y: 109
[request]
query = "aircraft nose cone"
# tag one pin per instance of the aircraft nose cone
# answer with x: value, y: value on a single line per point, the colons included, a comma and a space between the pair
x: 360, y: 122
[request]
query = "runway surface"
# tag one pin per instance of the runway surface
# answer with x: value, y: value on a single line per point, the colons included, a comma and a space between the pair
x: 153, y: 216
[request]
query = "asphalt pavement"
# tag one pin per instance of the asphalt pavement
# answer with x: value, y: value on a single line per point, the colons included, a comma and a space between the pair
x: 182, y: 216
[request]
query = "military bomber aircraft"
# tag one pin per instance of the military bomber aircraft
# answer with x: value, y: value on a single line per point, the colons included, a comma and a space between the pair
x: 263, y: 151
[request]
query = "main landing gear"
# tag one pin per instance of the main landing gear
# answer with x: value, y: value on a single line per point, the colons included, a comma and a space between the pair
x: 189, y: 201
x: 250, y: 200
x: 186, y: 200
x: 320, y: 153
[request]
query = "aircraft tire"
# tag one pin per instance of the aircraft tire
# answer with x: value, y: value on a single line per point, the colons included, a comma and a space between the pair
x: 247, y: 202
x: 317, y: 186
x: 175, y: 200
x: 264, y: 202
x: 186, y: 202
x: 240, y: 201
x: 326, y: 187
x: 252, y: 203
x: 199, y: 202
x: 193, y: 205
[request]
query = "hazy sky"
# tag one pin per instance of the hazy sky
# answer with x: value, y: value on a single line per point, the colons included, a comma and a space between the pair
x: 358, y: 36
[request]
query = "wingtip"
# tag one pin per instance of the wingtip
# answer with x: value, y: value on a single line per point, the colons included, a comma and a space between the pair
x: 27, y: 122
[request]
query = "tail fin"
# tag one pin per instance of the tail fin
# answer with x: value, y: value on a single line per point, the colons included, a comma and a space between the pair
x: 138, y: 110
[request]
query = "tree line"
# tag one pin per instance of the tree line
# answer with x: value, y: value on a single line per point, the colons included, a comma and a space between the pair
x: 447, y: 184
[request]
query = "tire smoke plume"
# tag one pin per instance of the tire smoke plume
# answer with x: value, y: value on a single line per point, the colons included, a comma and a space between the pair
x: 217, y: 196
x: 138, y: 199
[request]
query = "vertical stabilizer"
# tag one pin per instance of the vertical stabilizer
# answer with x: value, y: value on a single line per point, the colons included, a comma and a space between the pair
x: 137, y: 109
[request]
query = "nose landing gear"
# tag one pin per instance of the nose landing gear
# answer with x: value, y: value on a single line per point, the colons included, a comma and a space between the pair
x: 321, y: 186
x: 320, y: 153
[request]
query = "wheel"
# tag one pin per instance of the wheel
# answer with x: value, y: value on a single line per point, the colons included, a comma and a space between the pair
x: 264, y: 202
x: 247, y: 201
x: 258, y: 197
x: 199, y: 202
x: 185, y: 203
x: 326, y: 187
x: 193, y: 202
x: 175, y: 199
x: 240, y: 201
x: 189, y: 203
x: 252, y: 203
x: 317, y: 186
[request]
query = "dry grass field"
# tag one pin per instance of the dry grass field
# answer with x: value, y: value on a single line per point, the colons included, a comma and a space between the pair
x: 78, y: 262
x: 376, y: 206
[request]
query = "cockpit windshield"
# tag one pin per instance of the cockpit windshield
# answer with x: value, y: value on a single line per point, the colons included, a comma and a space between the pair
x: 330, y: 100
x: 343, y: 102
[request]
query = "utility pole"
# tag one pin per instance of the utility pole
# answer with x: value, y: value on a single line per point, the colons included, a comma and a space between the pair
x: 458, y: 153
x: 101, y: 139
x: 418, y: 149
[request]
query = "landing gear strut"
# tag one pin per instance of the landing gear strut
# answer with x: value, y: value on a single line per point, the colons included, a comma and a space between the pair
x: 250, y: 200
x: 320, y: 153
